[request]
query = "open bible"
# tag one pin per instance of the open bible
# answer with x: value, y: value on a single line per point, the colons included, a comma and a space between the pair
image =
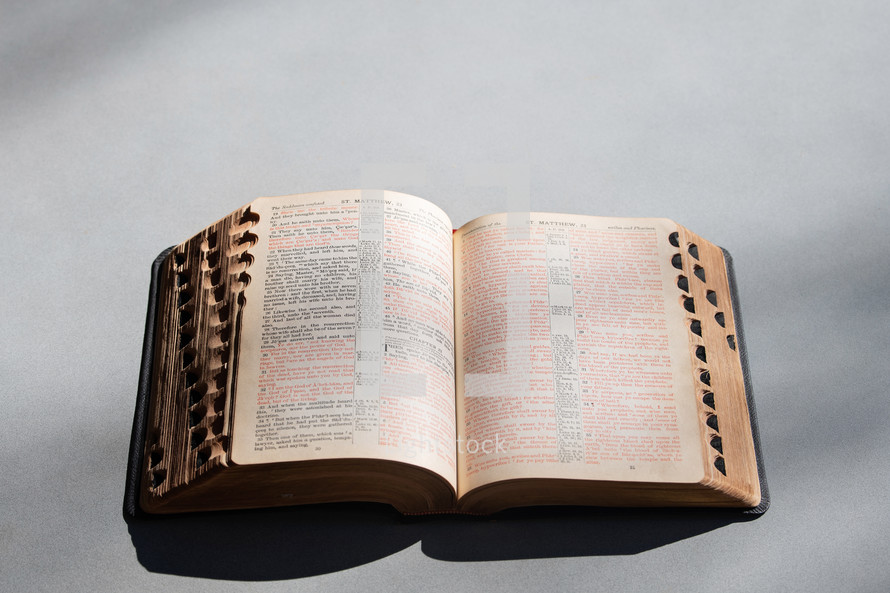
x: 350, y: 346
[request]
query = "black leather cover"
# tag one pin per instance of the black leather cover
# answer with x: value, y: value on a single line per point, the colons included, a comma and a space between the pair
x: 749, y: 390
x: 143, y: 393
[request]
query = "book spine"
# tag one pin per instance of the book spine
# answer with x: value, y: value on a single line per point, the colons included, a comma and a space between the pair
x: 201, y: 297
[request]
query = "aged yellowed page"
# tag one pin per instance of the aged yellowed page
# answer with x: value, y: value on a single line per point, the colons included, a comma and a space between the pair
x: 347, y: 344
x: 572, y: 359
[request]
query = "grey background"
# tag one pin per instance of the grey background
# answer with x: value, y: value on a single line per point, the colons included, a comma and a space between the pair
x: 763, y: 126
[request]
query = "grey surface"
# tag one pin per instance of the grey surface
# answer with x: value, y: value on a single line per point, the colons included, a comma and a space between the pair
x: 763, y: 126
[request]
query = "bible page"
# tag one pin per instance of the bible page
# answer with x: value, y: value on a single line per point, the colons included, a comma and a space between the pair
x: 572, y: 357
x: 346, y: 346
